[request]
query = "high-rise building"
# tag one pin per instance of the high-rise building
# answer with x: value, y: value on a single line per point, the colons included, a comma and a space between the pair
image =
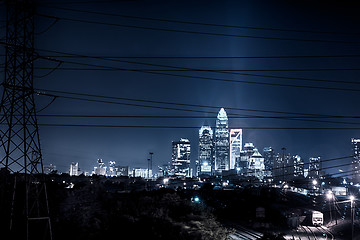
x: 181, y: 158
x: 355, y: 142
x: 141, y: 172
x: 101, y: 168
x: 222, y: 146
x: 299, y: 166
x: 268, y: 154
x: 242, y: 162
x: 74, y: 169
x: 283, y: 167
x: 111, y: 170
x: 250, y: 163
x: 235, y: 146
x: 205, y: 162
x: 256, y: 167
x: 121, y: 171
x: 314, y: 167
x: 50, y: 168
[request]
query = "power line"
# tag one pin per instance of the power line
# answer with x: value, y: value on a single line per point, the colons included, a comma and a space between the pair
x: 213, y: 57
x: 179, y: 116
x: 211, y: 78
x: 154, y: 71
x: 78, y: 2
x: 192, y: 127
x: 195, y: 32
x: 216, y: 70
x: 199, y: 23
x: 186, y: 117
x: 44, y: 92
x: 235, y: 81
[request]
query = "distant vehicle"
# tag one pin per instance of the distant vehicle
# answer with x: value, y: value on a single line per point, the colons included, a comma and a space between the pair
x: 317, y: 218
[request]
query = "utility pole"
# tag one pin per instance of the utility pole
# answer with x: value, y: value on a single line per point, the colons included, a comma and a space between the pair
x: 24, y: 210
x: 329, y: 196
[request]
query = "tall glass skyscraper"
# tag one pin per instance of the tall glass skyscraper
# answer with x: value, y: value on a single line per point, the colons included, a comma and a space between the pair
x: 235, y: 146
x: 205, y: 162
x: 222, y: 146
x: 181, y: 158
x: 314, y: 167
x: 269, y: 156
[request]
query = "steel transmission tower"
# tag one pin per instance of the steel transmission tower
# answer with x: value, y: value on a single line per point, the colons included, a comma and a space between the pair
x: 24, y: 209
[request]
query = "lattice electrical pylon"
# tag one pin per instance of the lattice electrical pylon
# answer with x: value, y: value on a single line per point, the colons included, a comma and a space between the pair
x: 24, y: 205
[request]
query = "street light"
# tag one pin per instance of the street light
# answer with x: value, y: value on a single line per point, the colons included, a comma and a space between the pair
x: 352, y: 198
x: 329, y: 196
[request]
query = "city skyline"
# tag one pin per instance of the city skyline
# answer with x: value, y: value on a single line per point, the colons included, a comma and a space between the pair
x: 216, y: 119
x: 245, y: 61
x: 274, y: 164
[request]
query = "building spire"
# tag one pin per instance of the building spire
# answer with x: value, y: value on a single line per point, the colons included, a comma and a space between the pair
x: 222, y: 114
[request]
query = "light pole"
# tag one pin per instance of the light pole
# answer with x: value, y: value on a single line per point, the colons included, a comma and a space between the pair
x: 329, y: 196
x: 314, y: 182
x: 352, y: 198
x: 151, y: 154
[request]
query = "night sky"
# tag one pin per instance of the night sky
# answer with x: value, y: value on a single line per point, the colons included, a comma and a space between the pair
x: 295, y: 42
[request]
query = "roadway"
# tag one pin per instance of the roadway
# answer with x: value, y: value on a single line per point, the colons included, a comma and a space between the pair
x: 242, y: 233
x: 310, y: 233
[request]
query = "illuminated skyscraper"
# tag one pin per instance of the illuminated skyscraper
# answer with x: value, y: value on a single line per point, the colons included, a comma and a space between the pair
x: 314, y: 167
x: 299, y: 166
x: 111, y: 170
x: 256, y: 165
x: 100, y: 169
x: 269, y: 156
x: 181, y: 158
x: 283, y: 166
x: 250, y: 163
x: 222, y: 146
x: 242, y: 163
x: 235, y: 146
x: 205, y: 162
x: 355, y: 142
x: 74, y: 169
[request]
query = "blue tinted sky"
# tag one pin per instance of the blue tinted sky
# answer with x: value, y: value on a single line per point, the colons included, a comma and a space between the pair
x: 334, y: 24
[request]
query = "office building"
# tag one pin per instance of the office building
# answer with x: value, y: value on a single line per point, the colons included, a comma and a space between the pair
x: 299, y: 166
x: 314, y: 167
x: 205, y: 161
x: 100, y: 169
x: 141, y: 172
x: 235, y: 146
x: 256, y: 167
x: 242, y: 162
x: 269, y: 154
x: 283, y: 167
x: 180, y: 160
x: 48, y: 169
x: 222, y: 146
x: 121, y: 171
x: 74, y: 169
